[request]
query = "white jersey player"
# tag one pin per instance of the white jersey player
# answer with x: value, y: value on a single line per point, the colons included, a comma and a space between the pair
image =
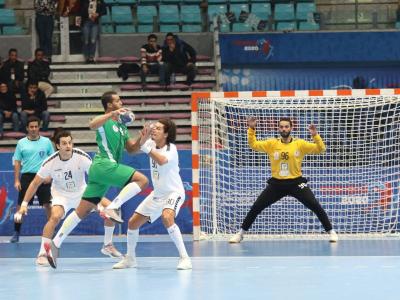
x: 67, y: 168
x: 168, y: 195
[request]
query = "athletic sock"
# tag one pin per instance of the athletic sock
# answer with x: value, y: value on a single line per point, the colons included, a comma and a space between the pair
x: 132, y: 237
x: 129, y: 191
x: 69, y: 224
x: 175, y: 234
x: 44, y: 240
x: 108, y: 234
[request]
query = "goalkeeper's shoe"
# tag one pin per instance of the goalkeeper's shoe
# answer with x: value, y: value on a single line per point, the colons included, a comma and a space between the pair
x: 111, y: 251
x: 236, y: 238
x: 111, y: 214
x: 333, y: 237
x: 51, y: 254
x: 127, y: 262
x: 184, y: 263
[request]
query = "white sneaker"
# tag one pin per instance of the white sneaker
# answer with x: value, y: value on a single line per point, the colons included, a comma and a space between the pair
x: 333, y: 237
x: 41, y: 260
x: 236, y: 238
x: 111, y: 214
x: 127, y: 262
x: 111, y: 251
x: 184, y: 263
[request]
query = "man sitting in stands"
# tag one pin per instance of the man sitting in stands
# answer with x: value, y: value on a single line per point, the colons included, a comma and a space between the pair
x: 151, y: 56
x: 34, y: 102
x: 39, y: 71
x: 14, y: 71
x: 178, y: 57
x: 8, y: 108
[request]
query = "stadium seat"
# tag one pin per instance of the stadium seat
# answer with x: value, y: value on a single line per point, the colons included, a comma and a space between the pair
x: 107, y: 28
x: 191, y: 28
x: 237, y: 8
x: 7, y: 16
x: 192, y: 1
x: 169, y: 28
x: 224, y: 28
x: 125, y: 29
x: 211, y: 2
x: 2, y: 3
x: 13, y: 30
x: 109, y: 2
x: 106, y: 19
x: 215, y: 10
x: 190, y: 14
x: 126, y: 2
x: 241, y: 27
x: 145, y: 28
x: 308, y: 26
x: 397, y: 25
x: 286, y: 26
x: 284, y: 12
x: 305, y: 11
x: 169, y: 14
x: 261, y: 10
x: 121, y: 15
x: 146, y: 14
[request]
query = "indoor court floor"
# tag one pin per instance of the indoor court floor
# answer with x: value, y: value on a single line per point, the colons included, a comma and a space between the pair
x: 294, y: 269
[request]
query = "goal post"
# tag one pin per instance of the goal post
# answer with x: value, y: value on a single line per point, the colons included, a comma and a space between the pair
x: 357, y: 179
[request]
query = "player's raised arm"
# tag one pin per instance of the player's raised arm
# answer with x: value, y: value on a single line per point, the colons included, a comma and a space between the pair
x: 262, y: 146
x: 100, y: 120
x: 313, y: 148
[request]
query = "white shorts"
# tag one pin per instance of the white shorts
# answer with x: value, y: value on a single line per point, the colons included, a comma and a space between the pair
x: 152, y: 207
x: 67, y: 203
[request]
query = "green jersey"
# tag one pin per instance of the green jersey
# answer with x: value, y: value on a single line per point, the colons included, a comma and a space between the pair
x: 111, y: 139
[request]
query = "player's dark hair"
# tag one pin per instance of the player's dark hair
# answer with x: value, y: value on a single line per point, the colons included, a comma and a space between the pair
x: 170, y: 128
x: 286, y: 119
x: 61, y: 134
x: 107, y: 98
x: 32, y: 119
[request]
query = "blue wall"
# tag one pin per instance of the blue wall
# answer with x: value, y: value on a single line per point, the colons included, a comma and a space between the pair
x: 36, y: 219
x: 320, y: 60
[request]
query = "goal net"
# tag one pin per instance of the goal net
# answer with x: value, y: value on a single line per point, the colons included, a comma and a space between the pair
x: 356, y: 180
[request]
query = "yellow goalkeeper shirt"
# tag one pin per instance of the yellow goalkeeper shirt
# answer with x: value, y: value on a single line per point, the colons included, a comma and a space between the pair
x: 286, y: 158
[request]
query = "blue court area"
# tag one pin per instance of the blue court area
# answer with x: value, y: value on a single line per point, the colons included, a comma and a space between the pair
x: 297, y: 269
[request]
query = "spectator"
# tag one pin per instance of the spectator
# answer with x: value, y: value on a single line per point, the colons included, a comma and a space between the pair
x: 45, y: 12
x: 91, y: 11
x: 39, y: 71
x: 178, y: 57
x: 8, y: 108
x: 2, y: 74
x: 151, y: 56
x: 13, y: 70
x: 34, y: 103
x: 68, y: 7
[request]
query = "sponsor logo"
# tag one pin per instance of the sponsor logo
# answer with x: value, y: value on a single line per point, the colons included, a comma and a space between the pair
x: 261, y: 46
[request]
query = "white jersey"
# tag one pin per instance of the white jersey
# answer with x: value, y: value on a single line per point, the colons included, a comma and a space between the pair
x: 68, y: 175
x: 166, y: 178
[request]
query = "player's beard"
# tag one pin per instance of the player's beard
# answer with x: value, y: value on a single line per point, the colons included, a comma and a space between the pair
x: 285, y: 134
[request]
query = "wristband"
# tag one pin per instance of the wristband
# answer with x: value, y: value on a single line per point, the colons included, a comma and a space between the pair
x: 24, y: 204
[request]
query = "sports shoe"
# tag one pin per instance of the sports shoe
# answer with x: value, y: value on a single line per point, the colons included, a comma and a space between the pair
x: 127, y: 262
x: 184, y: 263
x: 333, y: 237
x: 236, y: 238
x: 15, y: 237
x: 51, y: 254
x: 41, y: 260
x: 111, y: 251
x: 111, y: 214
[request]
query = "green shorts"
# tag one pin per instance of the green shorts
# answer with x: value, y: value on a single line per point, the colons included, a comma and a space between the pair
x: 104, y: 174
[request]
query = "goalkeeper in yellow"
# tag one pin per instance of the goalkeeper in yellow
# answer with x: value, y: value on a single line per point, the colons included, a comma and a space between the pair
x: 285, y: 154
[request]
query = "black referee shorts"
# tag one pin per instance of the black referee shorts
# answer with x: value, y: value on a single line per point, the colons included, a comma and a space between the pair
x: 43, y: 192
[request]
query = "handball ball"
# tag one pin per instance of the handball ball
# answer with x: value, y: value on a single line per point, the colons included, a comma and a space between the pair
x: 127, y: 118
